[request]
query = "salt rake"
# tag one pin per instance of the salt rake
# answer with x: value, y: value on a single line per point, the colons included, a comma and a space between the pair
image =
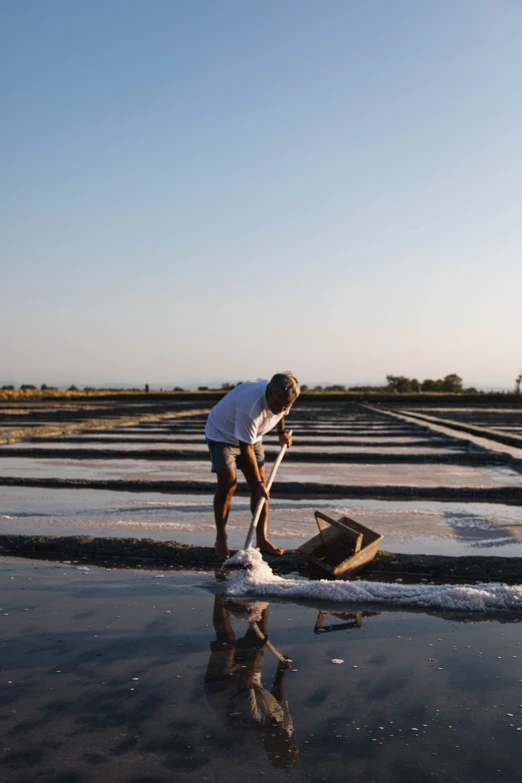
x: 261, y: 502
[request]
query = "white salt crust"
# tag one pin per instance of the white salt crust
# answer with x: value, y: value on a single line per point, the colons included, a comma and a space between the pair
x: 257, y: 578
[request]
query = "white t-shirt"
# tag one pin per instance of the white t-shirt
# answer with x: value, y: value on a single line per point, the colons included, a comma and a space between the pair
x: 242, y: 415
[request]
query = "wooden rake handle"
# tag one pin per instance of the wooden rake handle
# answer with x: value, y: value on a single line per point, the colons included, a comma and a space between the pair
x: 261, y: 502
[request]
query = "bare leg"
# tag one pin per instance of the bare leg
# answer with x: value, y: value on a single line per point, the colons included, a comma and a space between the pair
x: 227, y: 483
x: 277, y: 687
x: 262, y: 526
x: 221, y: 621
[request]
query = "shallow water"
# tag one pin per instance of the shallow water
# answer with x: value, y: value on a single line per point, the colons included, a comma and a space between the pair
x: 408, y: 527
x: 358, y: 474
x: 123, y: 676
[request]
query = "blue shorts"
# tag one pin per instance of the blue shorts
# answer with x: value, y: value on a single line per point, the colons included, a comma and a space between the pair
x: 225, y: 455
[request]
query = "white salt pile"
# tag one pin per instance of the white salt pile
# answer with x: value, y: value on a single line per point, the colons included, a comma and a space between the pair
x: 257, y: 578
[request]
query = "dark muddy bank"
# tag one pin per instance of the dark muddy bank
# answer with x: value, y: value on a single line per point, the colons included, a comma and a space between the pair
x: 17, y: 434
x: 292, y: 490
x: 192, y: 455
x: 269, y: 440
x: 493, y: 433
x: 173, y: 553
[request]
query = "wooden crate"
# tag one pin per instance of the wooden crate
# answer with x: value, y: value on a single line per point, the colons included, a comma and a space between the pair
x: 342, y: 546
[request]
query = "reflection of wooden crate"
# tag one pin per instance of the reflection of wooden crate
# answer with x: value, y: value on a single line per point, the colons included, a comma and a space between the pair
x: 343, y: 546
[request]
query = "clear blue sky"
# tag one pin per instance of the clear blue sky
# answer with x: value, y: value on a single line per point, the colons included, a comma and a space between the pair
x: 215, y: 190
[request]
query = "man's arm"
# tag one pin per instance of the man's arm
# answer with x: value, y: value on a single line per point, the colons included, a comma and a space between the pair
x: 285, y: 439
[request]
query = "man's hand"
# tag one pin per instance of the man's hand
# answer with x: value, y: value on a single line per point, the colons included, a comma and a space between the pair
x: 262, y: 492
x: 285, y: 439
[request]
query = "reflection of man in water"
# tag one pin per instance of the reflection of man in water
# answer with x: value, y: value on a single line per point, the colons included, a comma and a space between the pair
x: 233, y: 680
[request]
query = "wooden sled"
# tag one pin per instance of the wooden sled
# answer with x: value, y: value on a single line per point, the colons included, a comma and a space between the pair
x: 342, y: 547
x: 351, y: 620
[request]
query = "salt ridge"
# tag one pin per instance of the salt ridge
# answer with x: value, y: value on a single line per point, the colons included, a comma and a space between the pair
x: 257, y: 578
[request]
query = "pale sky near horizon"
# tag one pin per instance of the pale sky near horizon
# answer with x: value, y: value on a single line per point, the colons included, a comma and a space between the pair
x: 207, y: 191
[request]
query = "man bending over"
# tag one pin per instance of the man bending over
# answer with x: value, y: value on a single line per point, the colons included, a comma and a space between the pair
x: 234, y: 431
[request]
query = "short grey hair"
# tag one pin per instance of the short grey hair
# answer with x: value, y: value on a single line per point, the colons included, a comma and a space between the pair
x: 285, y: 384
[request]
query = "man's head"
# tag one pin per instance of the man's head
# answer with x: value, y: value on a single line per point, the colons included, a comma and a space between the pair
x: 282, y: 391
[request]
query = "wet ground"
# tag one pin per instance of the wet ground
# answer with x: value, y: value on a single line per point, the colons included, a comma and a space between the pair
x: 428, y: 527
x: 364, y: 451
x: 148, y: 676
x: 499, y: 417
x: 141, y: 676
x: 500, y: 424
x: 324, y: 472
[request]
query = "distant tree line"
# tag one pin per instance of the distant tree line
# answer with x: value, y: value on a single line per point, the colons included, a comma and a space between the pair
x: 451, y: 384
x: 395, y: 384
x: 401, y: 384
x: 29, y: 387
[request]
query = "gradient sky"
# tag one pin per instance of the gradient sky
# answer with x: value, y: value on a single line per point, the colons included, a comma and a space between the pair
x: 212, y: 190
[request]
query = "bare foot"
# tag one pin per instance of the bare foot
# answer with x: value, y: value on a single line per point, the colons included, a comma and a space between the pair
x: 221, y: 548
x: 269, y: 548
